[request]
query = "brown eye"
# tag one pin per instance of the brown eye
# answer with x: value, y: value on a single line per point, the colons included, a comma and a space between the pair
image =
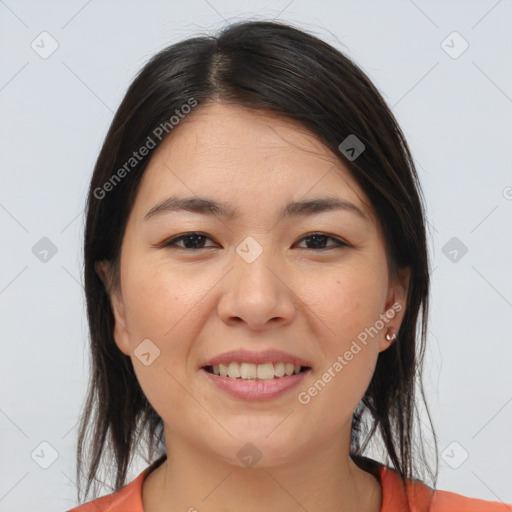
x: 318, y: 241
x: 195, y: 241
x: 191, y: 241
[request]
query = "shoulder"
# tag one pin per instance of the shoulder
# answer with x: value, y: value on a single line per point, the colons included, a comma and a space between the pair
x: 445, y: 501
x: 126, y: 499
x: 423, y: 499
x: 110, y: 503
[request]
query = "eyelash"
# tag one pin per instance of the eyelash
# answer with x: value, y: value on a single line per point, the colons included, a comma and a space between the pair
x: 172, y: 242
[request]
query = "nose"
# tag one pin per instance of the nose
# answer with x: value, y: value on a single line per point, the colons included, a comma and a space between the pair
x: 257, y: 292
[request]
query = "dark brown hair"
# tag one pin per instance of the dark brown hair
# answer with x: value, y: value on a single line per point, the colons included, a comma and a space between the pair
x: 281, y: 69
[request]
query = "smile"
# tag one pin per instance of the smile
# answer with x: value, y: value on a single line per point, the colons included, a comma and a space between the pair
x: 251, y: 371
x: 255, y: 382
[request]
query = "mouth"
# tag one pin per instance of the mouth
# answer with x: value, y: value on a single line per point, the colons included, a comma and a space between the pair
x: 255, y: 382
x: 255, y: 376
x: 255, y: 372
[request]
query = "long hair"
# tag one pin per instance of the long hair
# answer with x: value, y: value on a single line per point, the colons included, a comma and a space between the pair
x: 284, y: 70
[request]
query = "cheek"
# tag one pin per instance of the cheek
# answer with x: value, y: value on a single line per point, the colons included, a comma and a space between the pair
x: 158, y: 302
x: 349, y: 307
x: 348, y: 300
x: 160, y: 307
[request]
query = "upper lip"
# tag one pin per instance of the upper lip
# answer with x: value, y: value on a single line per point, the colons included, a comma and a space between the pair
x: 246, y: 356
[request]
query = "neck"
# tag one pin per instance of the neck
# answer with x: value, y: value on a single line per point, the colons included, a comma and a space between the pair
x: 194, y: 480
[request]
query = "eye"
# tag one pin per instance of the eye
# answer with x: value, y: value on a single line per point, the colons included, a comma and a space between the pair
x: 195, y: 241
x: 318, y: 241
x: 191, y: 241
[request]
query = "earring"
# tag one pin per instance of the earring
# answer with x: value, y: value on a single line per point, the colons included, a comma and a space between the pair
x: 390, y: 337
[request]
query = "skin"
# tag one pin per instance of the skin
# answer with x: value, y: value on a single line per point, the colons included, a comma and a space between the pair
x: 295, y: 297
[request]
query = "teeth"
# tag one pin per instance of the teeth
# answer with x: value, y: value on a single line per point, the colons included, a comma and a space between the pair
x: 223, y: 370
x: 234, y: 370
x: 248, y: 371
x: 279, y: 369
x: 266, y: 371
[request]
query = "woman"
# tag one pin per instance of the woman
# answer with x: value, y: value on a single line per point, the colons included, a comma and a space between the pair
x: 257, y: 285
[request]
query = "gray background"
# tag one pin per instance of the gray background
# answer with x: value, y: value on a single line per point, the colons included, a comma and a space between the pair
x: 455, y: 110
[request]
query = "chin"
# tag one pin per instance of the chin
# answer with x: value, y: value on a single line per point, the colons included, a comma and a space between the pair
x: 263, y: 448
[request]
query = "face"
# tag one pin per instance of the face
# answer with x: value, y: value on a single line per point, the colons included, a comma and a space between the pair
x: 313, y: 285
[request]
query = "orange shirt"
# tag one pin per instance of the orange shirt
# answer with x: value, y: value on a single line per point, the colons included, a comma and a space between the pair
x: 129, y: 498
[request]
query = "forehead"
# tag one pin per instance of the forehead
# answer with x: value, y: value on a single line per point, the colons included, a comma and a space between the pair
x: 223, y: 121
x: 236, y: 153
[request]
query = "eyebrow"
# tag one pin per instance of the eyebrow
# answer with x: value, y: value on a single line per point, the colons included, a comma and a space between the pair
x: 207, y: 206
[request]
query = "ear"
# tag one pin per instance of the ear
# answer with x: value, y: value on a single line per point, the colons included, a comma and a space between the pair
x: 121, y: 334
x: 394, y: 309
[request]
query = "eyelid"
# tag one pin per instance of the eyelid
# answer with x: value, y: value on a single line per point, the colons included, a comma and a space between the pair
x: 174, y: 239
x: 170, y: 243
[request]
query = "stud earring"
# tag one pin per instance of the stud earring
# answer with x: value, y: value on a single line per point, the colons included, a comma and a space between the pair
x: 390, y: 337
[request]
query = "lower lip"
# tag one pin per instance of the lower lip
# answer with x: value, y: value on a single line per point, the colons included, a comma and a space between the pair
x: 256, y: 389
